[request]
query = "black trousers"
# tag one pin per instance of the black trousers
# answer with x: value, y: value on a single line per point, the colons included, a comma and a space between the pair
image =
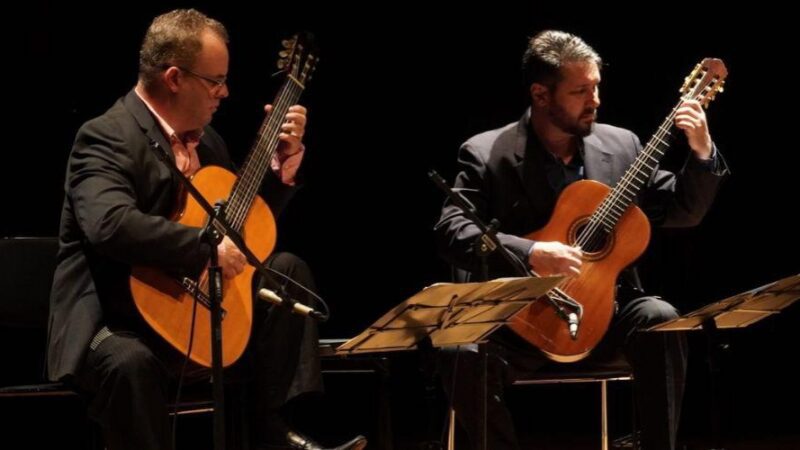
x: 658, y: 361
x: 128, y: 376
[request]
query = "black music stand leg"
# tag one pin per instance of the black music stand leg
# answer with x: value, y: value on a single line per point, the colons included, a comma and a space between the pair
x: 483, y: 247
x: 716, y: 348
x: 483, y: 356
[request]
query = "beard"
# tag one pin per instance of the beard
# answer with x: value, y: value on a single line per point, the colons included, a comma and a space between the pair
x: 580, y: 126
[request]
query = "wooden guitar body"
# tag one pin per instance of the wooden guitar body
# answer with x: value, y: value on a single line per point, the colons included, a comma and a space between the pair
x: 168, y: 307
x: 594, y: 288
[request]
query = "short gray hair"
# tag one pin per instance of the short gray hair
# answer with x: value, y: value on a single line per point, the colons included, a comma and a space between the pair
x: 174, y: 38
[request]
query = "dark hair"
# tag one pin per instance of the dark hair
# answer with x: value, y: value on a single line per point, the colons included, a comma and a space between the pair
x: 174, y: 38
x: 548, y: 51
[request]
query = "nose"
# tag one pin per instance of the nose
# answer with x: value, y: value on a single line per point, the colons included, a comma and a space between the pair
x: 595, y: 100
x: 224, y: 92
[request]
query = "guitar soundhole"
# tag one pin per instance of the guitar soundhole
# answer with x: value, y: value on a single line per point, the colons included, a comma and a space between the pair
x: 593, y: 240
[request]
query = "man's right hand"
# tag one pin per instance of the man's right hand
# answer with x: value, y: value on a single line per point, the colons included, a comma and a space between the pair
x: 231, y: 259
x: 555, y: 258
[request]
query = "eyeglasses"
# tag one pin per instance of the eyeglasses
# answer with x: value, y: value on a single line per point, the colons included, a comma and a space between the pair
x: 216, y: 83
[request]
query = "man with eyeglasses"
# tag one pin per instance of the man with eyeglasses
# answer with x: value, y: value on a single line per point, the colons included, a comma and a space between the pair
x: 115, y: 216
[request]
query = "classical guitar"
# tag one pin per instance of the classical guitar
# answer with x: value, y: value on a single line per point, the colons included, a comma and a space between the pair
x: 167, y: 303
x: 612, y: 233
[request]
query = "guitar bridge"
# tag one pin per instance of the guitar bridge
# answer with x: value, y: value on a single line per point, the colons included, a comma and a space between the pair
x: 192, y: 288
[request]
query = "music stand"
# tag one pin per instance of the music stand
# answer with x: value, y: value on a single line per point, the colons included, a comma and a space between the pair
x: 741, y: 310
x: 738, y: 311
x: 452, y: 314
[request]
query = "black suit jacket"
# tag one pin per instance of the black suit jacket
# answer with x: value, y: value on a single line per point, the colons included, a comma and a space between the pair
x: 118, y: 198
x: 502, y: 173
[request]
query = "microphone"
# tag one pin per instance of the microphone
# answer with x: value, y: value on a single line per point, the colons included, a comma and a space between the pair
x: 159, y: 150
x: 297, y: 308
x: 572, y: 319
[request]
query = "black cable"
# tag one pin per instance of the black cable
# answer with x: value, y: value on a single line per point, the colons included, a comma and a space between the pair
x: 326, y: 314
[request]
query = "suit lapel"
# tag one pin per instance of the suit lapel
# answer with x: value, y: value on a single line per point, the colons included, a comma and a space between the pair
x: 597, y: 161
x: 147, y: 122
x: 529, y: 157
x: 148, y: 125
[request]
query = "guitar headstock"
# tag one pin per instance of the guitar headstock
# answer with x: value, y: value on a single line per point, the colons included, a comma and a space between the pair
x: 297, y: 58
x: 706, y: 80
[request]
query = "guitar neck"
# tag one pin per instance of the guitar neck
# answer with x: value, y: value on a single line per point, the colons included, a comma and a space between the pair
x: 637, y: 175
x: 258, y: 159
x: 702, y: 85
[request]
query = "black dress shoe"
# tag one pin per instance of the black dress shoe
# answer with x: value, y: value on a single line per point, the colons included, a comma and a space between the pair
x: 300, y: 442
x: 629, y: 441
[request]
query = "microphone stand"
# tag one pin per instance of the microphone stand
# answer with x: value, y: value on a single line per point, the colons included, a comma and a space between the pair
x: 212, y: 234
x: 486, y: 243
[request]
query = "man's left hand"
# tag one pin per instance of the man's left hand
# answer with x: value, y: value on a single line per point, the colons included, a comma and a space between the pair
x: 691, y: 118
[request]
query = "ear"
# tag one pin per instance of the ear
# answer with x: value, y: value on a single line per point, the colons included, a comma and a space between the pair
x: 540, y: 94
x: 171, y: 78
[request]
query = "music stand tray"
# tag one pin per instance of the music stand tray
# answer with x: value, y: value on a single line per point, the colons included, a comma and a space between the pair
x: 451, y: 314
x: 741, y: 310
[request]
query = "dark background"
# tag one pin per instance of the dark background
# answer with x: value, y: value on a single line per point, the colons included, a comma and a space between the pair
x: 398, y: 88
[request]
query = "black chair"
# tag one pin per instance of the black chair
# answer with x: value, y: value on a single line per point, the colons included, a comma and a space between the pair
x: 601, y: 372
x: 26, y: 273
x: 555, y: 373
x: 33, y: 406
x: 27, y: 265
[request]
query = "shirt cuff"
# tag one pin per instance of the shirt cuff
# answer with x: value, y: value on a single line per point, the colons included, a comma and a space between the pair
x: 713, y: 164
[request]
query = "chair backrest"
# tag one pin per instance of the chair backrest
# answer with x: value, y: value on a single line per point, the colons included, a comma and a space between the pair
x: 27, y: 265
x: 26, y: 274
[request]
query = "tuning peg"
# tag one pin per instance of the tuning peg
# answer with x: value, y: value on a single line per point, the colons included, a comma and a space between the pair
x: 287, y: 43
x: 281, y: 64
x: 284, y: 53
x: 686, y: 85
x: 692, y: 77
